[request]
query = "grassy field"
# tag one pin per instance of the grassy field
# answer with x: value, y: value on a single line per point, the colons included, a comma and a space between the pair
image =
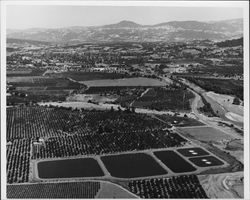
x: 127, y: 82
x: 87, y: 76
x: 205, y: 134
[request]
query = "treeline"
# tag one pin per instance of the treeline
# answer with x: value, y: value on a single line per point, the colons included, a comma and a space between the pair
x: 231, y: 43
x: 217, y: 87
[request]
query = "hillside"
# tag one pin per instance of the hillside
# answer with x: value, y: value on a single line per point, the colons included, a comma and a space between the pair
x: 133, y: 32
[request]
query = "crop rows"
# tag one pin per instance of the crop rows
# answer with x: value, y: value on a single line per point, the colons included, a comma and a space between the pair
x: 107, y: 143
x: 70, y: 190
x: 179, y: 187
x: 165, y: 99
x: 33, y: 122
x: 18, y: 160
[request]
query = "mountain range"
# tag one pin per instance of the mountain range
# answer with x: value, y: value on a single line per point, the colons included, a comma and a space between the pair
x: 129, y: 31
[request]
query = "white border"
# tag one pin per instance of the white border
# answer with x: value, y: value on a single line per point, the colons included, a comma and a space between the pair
x: 242, y: 4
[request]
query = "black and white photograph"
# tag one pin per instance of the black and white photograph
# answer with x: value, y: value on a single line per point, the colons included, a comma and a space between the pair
x: 124, y: 99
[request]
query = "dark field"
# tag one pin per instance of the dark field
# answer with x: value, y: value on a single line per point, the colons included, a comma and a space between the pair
x: 84, y: 167
x: 25, y: 72
x: 87, y: 76
x: 132, y: 165
x: 70, y: 190
x: 180, y: 121
x: 48, y: 83
x: 165, y: 99
x: 206, y: 161
x: 192, y: 152
x: 174, y: 162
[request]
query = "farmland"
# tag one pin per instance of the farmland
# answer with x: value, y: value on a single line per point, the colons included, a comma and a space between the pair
x: 54, y: 190
x: 173, y: 99
x: 69, y: 132
x: 205, y: 134
x: 126, y: 82
x: 25, y: 73
x: 36, y: 121
x: 36, y: 89
x: 88, y: 76
x: 176, y: 187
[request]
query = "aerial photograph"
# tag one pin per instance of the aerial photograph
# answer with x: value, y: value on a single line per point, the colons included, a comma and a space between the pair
x: 124, y: 102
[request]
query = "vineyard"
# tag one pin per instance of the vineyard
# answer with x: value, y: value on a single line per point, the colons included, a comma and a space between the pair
x: 67, y: 190
x: 178, y: 187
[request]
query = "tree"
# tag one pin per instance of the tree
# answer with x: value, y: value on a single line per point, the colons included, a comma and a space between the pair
x: 236, y: 101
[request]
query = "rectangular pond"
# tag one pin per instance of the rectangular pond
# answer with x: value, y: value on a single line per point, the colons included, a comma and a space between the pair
x: 192, y: 152
x: 81, y: 167
x: 174, y: 162
x: 132, y: 165
x: 206, y: 161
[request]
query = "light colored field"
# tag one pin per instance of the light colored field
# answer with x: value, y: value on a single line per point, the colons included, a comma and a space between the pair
x: 92, y: 97
x: 206, y: 134
x: 112, y: 191
x: 234, y: 117
x: 24, y: 78
x: 19, y: 72
x: 226, y: 101
x: 223, y: 186
x: 124, y: 82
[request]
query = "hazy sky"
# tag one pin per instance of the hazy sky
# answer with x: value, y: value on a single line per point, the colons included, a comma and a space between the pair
x: 26, y: 16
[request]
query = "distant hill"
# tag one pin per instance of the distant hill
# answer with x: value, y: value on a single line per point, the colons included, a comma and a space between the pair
x: 22, y: 41
x: 231, y: 43
x: 129, y: 31
x: 123, y: 24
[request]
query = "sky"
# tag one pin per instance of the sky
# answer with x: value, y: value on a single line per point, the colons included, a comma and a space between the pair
x: 51, y: 16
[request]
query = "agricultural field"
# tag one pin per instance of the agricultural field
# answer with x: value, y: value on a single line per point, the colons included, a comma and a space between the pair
x: 66, y: 190
x: 132, y: 165
x: 37, y: 89
x: 18, y: 160
x: 48, y: 83
x: 205, y: 134
x: 126, y: 82
x: 88, y: 76
x: 107, y: 143
x: 177, y: 187
x: 70, y: 168
x: 25, y: 73
x: 174, y: 99
x: 38, y: 121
